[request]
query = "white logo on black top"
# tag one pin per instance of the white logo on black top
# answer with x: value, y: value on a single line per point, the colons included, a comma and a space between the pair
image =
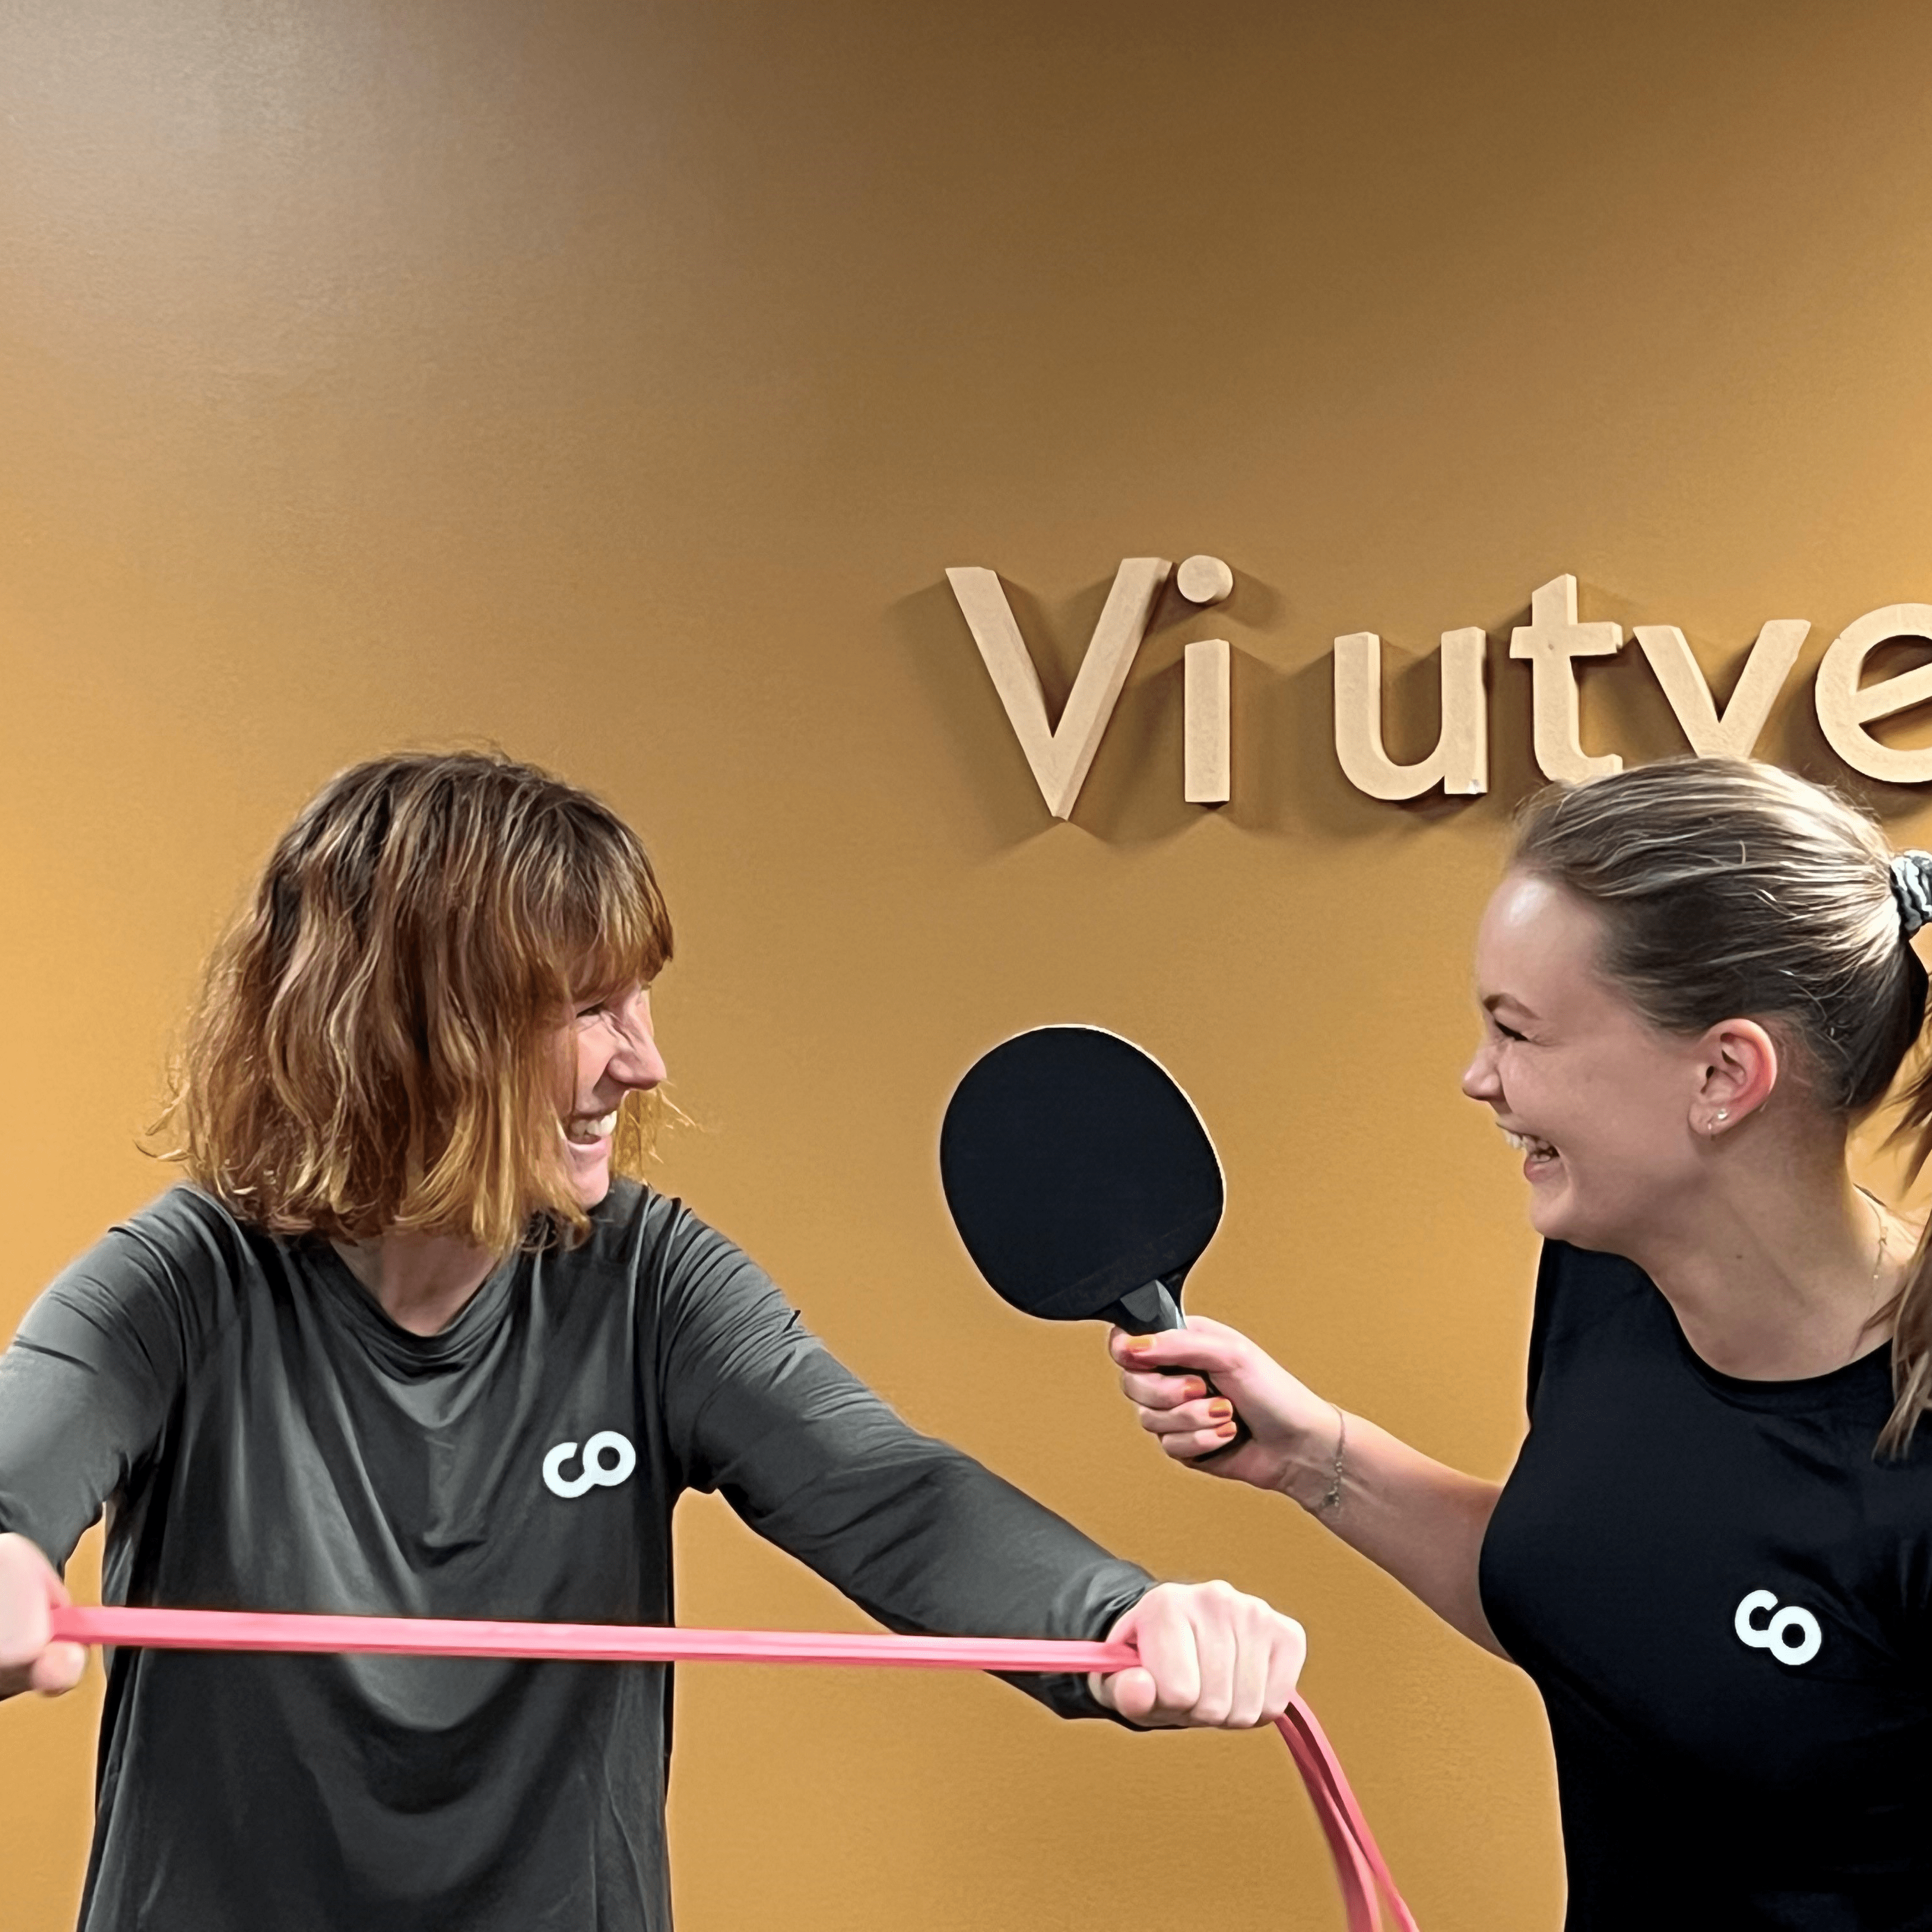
x: 1792, y: 1636
x: 599, y: 1473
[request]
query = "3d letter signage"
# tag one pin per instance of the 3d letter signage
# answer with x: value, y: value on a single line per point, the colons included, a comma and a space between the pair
x: 1059, y: 756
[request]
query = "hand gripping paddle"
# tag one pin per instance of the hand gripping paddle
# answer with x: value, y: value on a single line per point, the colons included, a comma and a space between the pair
x: 1085, y: 1187
x: 1081, y: 1180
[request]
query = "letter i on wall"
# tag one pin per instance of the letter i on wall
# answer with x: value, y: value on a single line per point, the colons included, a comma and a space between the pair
x: 1207, y: 778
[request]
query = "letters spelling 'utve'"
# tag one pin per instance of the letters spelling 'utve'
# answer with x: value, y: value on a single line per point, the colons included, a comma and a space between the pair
x: 1554, y: 639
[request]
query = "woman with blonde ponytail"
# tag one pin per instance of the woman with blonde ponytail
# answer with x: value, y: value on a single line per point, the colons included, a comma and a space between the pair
x: 1714, y: 1554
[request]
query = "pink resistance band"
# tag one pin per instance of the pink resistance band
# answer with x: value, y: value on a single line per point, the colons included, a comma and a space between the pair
x: 1358, y: 1863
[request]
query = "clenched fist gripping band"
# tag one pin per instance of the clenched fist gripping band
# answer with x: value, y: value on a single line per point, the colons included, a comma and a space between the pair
x: 1358, y: 1863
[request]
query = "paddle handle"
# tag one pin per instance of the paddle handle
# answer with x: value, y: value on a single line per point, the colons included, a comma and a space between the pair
x: 1153, y: 1310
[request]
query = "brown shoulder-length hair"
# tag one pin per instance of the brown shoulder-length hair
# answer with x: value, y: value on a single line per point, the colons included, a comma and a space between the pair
x: 375, y: 1045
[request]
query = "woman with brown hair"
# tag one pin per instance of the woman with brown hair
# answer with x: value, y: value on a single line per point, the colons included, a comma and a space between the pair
x: 414, y: 1340
x: 1713, y: 1555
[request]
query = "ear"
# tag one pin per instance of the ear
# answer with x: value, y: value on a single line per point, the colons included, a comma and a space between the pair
x: 1738, y: 1067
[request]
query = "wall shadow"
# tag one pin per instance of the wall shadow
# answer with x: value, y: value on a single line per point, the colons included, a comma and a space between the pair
x: 1254, y: 603
x: 1260, y: 699
x: 933, y: 633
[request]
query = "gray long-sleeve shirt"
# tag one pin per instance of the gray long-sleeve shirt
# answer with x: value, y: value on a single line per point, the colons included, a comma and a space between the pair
x: 267, y: 1438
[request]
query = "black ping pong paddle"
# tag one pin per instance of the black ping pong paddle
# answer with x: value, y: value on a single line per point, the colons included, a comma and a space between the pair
x: 1081, y: 1180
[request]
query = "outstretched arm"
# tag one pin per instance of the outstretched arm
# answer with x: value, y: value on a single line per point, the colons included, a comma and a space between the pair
x: 1419, y: 1519
x: 84, y: 1387
x: 921, y: 1535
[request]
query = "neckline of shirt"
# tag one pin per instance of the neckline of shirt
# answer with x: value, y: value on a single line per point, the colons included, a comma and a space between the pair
x: 473, y: 1322
x: 1849, y: 1384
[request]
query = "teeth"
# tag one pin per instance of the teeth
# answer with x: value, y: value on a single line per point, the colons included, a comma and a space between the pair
x: 586, y: 1130
x: 1528, y: 1143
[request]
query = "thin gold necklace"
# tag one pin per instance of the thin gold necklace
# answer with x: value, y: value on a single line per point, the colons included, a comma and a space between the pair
x: 1878, y: 1262
x: 1878, y: 1222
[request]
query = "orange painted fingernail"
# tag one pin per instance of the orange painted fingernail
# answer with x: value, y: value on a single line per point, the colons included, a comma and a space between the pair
x: 1227, y: 1430
x: 1220, y: 1411
x: 1139, y: 1344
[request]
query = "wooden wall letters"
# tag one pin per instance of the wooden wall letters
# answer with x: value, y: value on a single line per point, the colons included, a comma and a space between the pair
x: 1059, y: 757
x: 1735, y: 734
x: 1845, y: 709
x: 1551, y: 641
x: 1206, y: 727
x: 1460, y: 762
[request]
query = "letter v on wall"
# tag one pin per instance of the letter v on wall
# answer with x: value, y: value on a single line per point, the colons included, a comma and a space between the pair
x: 1059, y: 757
x: 1735, y: 734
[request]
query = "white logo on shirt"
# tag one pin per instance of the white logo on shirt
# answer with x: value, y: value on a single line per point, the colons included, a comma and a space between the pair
x: 1792, y: 1636
x: 597, y: 1473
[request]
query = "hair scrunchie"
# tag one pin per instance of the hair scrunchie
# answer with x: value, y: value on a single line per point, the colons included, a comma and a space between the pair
x: 1912, y: 887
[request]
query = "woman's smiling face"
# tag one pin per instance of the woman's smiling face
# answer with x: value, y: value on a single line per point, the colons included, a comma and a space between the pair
x: 1604, y: 1106
x: 609, y: 1050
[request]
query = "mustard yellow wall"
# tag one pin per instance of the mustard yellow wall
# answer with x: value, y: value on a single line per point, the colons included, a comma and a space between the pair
x: 615, y: 381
